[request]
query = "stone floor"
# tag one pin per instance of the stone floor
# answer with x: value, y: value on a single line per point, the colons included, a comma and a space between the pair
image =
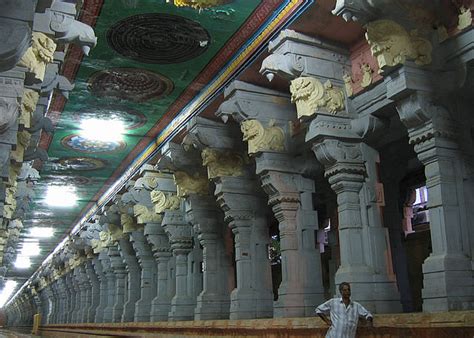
x: 14, y: 334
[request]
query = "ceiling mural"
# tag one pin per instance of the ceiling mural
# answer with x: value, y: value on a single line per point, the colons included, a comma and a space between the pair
x: 156, y: 65
x: 150, y: 61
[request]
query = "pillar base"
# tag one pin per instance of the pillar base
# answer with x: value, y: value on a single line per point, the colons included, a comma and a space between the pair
x: 250, y: 305
x: 212, y: 307
x: 297, y: 304
x: 448, y: 283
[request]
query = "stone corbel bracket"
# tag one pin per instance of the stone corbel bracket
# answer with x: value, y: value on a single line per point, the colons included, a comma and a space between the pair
x: 220, y: 146
x: 203, y: 133
x: 265, y: 116
x: 59, y: 21
x: 294, y: 54
x: 16, y: 18
x: 52, y: 80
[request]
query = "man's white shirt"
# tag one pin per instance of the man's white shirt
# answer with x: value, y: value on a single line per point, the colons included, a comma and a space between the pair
x: 344, y: 319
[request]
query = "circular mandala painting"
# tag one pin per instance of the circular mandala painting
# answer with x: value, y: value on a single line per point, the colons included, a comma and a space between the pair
x: 85, y: 145
x: 131, y: 119
x: 82, y: 163
x: 158, y: 38
x: 131, y: 84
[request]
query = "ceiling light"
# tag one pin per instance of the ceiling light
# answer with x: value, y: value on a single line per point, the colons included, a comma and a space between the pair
x: 102, y: 130
x: 29, y: 249
x: 22, y: 262
x: 7, y: 291
x: 61, y: 196
x: 41, y: 232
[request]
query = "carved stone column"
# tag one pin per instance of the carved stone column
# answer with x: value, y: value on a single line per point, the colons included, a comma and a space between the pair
x: 120, y: 273
x: 180, y: 236
x: 245, y: 213
x: 86, y: 296
x: 94, y: 293
x: 62, y: 297
x: 133, y: 282
x: 363, y: 241
x: 103, y: 296
x: 208, y: 222
x: 148, y: 276
x: 435, y: 134
x: 266, y: 118
x: 110, y: 279
x: 156, y: 236
x: 393, y: 170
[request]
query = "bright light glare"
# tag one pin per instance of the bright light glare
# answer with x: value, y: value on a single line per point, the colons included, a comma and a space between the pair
x: 30, y: 249
x: 102, y: 130
x: 7, y: 291
x: 41, y: 232
x: 61, y: 196
x: 22, y: 262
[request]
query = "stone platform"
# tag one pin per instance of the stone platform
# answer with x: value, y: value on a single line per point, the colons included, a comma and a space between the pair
x: 451, y: 324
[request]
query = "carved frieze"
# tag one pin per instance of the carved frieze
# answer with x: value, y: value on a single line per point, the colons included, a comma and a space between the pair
x: 391, y: 44
x: 105, y: 240
x: 366, y: 75
x: 348, y: 84
x: 220, y: 163
x: 165, y: 201
x: 38, y: 55
x: 312, y: 97
x: 187, y: 184
x: 260, y: 138
x: 11, y: 87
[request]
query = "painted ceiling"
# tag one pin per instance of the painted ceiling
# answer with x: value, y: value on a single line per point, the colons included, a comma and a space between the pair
x: 155, y: 65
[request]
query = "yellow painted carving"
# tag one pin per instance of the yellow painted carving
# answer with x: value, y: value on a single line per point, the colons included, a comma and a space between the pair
x: 28, y: 106
x: 262, y: 139
x: 199, y: 4
x: 145, y: 215
x: 312, y: 97
x: 222, y: 163
x: 366, y: 75
x: 115, y: 231
x: 38, y: 55
x: 187, y: 184
x: 391, y: 44
x: 128, y: 223
x: 464, y: 18
x: 348, y: 84
x: 23, y: 141
x: 164, y: 201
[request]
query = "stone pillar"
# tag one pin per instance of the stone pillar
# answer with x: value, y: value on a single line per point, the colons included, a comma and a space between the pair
x: 180, y: 236
x: 435, y: 133
x: 393, y: 170
x: 77, y: 281
x: 63, y: 300
x: 133, y: 282
x: 86, y: 296
x: 208, y: 222
x: 148, y: 277
x: 103, y: 296
x: 94, y: 292
x: 161, y: 304
x: 110, y: 279
x: 265, y: 120
x: 365, y: 264
x: 245, y: 212
x: 290, y: 196
x: 120, y: 287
